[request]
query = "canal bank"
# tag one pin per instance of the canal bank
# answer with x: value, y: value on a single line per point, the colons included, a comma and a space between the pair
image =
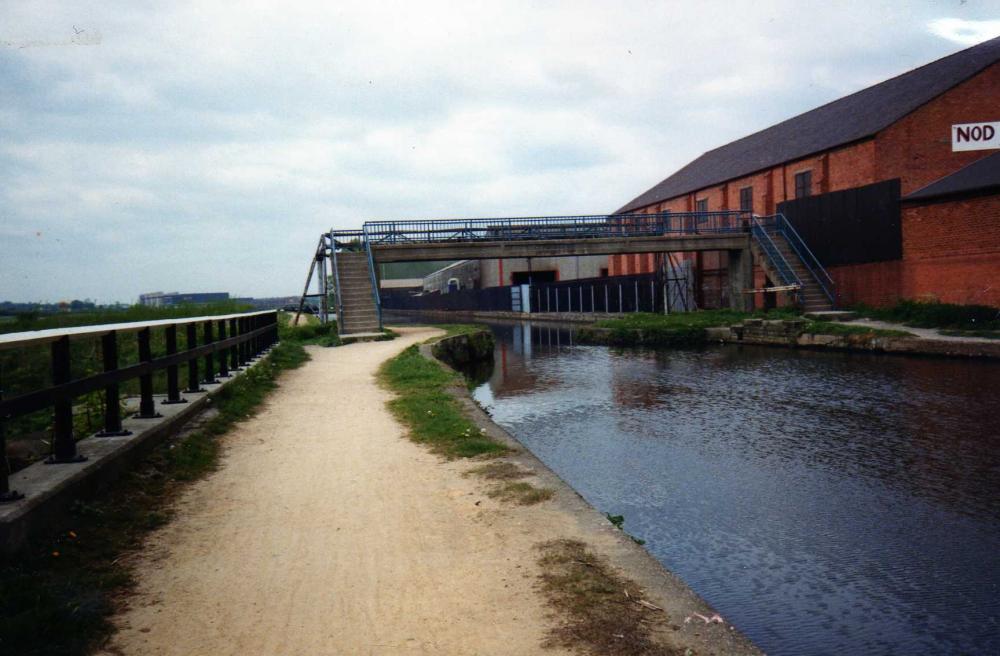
x: 825, y: 501
x: 324, y: 530
x: 678, y: 620
x: 856, y: 335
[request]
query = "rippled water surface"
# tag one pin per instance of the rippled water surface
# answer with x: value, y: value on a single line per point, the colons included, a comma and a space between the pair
x: 824, y: 503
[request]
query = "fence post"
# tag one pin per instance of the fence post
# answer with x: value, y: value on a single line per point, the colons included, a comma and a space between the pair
x: 194, y: 385
x: 636, y: 295
x: 147, y: 407
x: 234, y: 350
x: 173, y: 384
x: 6, y: 494
x: 607, y: 306
x: 63, y: 444
x: 112, y: 407
x: 209, y: 358
x: 620, y: 311
x: 244, y: 345
x: 223, y: 360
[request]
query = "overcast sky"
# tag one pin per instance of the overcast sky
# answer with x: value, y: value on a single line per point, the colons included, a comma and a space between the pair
x: 204, y: 146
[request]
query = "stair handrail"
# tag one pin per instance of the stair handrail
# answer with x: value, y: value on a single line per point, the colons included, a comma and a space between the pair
x: 336, y: 282
x: 371, y: 274
x: 774, y: 254
x: 811, y: 262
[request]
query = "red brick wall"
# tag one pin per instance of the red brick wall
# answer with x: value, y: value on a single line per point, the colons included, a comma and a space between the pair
x: 876, y: 283
x: 951, y: 251
x: 917, y: 148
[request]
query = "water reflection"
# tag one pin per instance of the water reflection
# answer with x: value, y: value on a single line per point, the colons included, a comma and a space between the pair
x: 824, y: 502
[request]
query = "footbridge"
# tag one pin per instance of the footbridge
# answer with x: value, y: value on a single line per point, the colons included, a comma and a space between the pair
x: 353, y: 254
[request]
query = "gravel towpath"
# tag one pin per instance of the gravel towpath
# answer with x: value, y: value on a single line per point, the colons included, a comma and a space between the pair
x: 325, y: 531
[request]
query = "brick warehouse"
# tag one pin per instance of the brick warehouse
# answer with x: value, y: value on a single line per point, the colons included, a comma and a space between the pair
x: 873, y: 184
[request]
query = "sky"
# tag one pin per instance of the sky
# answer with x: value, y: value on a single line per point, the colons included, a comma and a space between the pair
x: 204, y: 146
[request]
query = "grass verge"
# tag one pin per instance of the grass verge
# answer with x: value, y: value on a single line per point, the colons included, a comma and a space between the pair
x: 453, y: 329
x: 923, y: 314
x: 425, y: 406
x: 57, y: 598
x: 309, y: 332
x: 603, y: 613
x: 521, y: 492
x: 508, y: 484
x: 676, y: 329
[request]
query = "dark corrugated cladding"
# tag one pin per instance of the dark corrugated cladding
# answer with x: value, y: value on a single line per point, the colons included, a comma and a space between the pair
x: 849, y: 119
x: 981, y: 175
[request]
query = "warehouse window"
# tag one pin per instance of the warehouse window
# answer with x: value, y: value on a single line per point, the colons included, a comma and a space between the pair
x: 746, y: 199
x: 803, y: 184
x: 701, y: 205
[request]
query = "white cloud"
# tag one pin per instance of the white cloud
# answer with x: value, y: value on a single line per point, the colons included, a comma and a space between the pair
x: 965, y: 32
x: 203, y: 145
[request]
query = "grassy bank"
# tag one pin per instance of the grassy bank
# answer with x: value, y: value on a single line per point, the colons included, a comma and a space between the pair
x: 676, y: 329
x: 425, y: 406
x: 970, y: 318
x: 310, y: 331
x: 57, y: 598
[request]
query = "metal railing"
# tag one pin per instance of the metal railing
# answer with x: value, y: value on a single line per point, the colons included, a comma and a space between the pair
x: 554, y: 227
x: 374, y: 282
x: 336, y: 283
x: 774, y: 255
x: 783, y: 226
x: 248, y: 335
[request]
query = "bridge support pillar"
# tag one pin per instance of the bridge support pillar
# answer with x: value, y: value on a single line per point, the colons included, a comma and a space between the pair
x: 740, y: 279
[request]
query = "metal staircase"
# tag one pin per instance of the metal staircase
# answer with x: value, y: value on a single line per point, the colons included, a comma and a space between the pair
x: 786, y: 258
x: 359, y: 311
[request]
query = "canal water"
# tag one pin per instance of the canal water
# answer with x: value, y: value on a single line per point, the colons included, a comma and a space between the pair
x: 824, y: 503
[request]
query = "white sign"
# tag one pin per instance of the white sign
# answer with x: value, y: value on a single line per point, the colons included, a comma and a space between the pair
x: 975, y: 136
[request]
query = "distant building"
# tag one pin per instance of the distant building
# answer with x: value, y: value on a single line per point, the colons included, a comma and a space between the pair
x: 524, y: 270
x: 894, y: 188
x: 163, y: 299
x: 464, y: 274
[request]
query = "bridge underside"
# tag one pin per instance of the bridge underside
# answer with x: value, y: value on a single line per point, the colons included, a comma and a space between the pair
x: 489, y: 250
x: 737, y: 244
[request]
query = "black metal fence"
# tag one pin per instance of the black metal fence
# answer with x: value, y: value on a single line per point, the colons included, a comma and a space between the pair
x: 491, y: 299
x: 228, y: 342
x: 648, y: 292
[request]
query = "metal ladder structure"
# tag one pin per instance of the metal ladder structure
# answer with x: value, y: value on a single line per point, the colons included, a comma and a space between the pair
x: 359, y: 308
x: 786, y: 259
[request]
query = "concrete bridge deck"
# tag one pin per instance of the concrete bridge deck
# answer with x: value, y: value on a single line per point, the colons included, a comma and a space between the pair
x: 472, y: 250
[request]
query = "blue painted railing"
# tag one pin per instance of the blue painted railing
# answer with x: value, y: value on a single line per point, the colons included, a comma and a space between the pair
x: 773, y: 254
x: 780, y: 225
x: 374, y: 281
x: 555, y: 227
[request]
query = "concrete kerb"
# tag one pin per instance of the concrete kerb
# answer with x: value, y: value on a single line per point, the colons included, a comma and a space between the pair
x: 662, y: 587
x: 50, y: 490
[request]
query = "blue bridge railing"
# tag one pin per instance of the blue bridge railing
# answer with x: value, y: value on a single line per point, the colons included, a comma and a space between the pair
x: 773, y: 254
x: 778, y: 224
x: 555, y: 227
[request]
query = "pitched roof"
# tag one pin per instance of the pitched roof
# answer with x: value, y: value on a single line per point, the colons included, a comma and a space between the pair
x: 851, y: 118
x: 981, y: 175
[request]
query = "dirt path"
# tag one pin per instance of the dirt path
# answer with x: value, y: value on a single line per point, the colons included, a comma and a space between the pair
x: 324, y: 531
